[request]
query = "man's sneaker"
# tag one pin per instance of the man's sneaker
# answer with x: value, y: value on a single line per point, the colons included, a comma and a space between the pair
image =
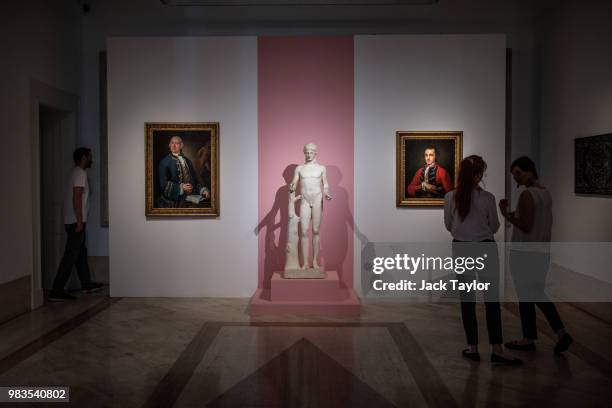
x: 563, y: 344
x: 60, y: 297
x: 92, y: 287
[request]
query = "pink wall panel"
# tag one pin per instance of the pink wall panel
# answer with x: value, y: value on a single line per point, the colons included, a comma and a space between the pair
x: 305, y: 94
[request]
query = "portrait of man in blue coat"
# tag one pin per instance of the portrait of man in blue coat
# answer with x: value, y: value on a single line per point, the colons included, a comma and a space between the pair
x: 178, y: 183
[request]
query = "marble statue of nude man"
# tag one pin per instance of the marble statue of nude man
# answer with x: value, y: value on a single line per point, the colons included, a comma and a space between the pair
x: 310, y: 175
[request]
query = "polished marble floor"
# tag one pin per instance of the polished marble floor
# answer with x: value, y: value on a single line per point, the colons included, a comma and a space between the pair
x: 161, y: 352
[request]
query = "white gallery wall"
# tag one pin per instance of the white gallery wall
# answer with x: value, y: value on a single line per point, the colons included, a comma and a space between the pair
x: 428, y: 82
x: 182, y: 80
x: 146, y: 18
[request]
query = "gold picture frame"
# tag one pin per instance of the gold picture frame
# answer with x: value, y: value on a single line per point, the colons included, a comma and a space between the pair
x: 411, y: 150
x: 199, y: 171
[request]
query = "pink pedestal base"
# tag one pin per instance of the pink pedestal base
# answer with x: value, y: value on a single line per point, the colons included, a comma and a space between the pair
x: 305, y: 296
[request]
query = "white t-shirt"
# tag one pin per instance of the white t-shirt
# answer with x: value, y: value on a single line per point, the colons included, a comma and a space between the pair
x: 480, y: 223
x: 78, y: 178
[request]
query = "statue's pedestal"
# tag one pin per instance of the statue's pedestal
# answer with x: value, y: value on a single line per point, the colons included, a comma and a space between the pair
x: 324, y: 289
x: 305, y: 296
x: 310, y: 273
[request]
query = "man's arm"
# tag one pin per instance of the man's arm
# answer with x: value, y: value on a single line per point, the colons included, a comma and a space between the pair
x: 77, y: 205
x: 168, y: 188
x: 325, y: 184
x: 196, y: 186
x: 296, y: 177
x: 443, y: 178
x: 414, y: 184
x: 204, y: 192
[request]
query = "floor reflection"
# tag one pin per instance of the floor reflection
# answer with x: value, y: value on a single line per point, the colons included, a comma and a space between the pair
x: 206, y: 352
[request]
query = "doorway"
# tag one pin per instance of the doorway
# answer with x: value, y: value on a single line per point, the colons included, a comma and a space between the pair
x: 56, y: 146
x: 54, y: 134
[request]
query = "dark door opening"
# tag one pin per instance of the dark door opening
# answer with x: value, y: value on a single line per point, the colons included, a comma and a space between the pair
x: 57, y: 142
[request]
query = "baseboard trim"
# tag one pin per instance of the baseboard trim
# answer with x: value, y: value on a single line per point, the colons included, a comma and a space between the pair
x: 15, y: 298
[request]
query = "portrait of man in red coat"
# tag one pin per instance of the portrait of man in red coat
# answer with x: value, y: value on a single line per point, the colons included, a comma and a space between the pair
x: 431, y: 180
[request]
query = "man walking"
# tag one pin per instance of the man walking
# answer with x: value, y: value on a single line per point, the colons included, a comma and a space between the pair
x: 76, y: 206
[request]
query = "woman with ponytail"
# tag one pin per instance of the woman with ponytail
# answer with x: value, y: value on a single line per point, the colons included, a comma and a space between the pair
x: 470, y: 215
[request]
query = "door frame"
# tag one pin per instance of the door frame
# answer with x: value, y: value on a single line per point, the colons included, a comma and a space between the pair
x: 43, y: 94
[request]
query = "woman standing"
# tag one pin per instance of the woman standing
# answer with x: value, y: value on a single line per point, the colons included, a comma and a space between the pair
x: 529, y: 264
x: 470, y: 214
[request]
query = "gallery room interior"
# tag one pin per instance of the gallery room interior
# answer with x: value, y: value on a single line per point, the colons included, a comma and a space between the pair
x: 235, y: 203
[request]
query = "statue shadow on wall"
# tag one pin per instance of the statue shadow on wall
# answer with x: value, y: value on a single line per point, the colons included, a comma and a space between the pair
x: 275, y: 253
x: 337, y: 222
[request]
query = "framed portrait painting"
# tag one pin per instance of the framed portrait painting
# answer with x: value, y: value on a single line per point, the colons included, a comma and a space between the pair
x: 427, y: 166
x: 182, y: 169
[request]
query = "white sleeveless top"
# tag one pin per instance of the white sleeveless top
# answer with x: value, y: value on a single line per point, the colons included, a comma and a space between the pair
x: 542, y: 218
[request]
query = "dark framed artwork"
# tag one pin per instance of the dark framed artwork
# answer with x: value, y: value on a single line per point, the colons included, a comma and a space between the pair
x: 182, y: 169
x: 593, y: 165
x: 427, y: 166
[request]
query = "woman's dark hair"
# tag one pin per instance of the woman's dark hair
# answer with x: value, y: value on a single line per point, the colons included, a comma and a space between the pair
x: 469, y: 169
x: 79, y: 153
x: 526, y: 164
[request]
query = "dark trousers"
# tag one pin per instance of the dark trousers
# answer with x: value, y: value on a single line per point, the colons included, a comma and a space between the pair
x: 491, y: 297
x: 529, y: 270
x: 75, y: 255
